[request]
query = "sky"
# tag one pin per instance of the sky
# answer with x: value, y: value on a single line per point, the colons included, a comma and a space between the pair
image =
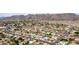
x: 15, y: 7
x: 11, y: 14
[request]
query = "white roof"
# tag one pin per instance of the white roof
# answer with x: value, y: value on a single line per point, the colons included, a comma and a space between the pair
x: 2, y: 27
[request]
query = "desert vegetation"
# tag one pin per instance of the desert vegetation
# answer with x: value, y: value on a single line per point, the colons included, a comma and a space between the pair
x: 34, y: 32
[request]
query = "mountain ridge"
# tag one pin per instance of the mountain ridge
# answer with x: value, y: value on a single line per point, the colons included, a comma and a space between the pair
x: 63, y: 16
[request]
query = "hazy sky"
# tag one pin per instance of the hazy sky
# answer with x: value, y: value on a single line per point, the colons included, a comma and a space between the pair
x: 10, y: 14
x: 38, y: 6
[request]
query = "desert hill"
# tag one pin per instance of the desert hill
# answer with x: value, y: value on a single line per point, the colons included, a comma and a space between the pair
x: 63, y: 16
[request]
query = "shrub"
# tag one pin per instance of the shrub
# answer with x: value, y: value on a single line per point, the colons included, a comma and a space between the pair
x: 62, y: 39
x: 77, y: 33
x: 2, y: 35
